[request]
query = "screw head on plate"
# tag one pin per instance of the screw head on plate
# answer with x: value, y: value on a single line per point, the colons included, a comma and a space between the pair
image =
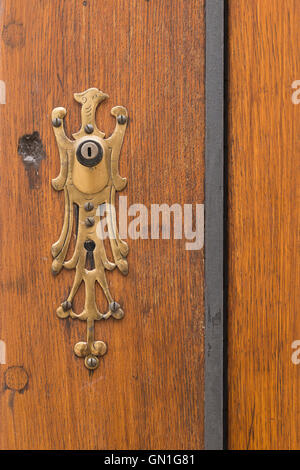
x: 114, y: 306
x: 56, y: 122
x: 121, y: 119
x: 89, y: 129
x: 89, y: 206
x: 66, y: 305
x: 89, y: 221
x: 91, y: 362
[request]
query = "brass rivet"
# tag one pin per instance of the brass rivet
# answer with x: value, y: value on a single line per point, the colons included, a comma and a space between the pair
x: 89, y: 129
x: 56, y: 122
x: 121, y: 119
x: 89, y: 221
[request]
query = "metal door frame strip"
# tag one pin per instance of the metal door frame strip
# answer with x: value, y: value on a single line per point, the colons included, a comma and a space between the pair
x: 214, y: 227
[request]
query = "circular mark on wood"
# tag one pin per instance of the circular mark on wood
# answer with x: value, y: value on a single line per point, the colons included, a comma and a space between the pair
x: 13, y: 34
x: 16, y: 378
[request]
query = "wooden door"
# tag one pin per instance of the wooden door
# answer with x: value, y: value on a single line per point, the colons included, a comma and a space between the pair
x: 263, y: 203
x: 148, y: 391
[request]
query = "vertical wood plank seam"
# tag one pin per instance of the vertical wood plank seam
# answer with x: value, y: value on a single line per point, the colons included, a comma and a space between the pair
x: 214, y: 225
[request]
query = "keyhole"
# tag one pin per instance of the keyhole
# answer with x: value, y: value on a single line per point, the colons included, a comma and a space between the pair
x: 89, y: 153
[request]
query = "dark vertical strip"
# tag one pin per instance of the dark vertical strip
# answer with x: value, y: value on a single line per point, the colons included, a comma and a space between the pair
x: 214, y: 226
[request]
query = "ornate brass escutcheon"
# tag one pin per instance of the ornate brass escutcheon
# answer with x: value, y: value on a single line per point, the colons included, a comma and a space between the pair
x: 89, y: 176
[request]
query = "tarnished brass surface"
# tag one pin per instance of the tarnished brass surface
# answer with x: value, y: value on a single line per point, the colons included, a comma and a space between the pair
x: 88, y: 185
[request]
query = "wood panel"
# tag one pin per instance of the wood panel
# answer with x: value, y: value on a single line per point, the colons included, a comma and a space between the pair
x: 148, y: 390
x: 263, y: 182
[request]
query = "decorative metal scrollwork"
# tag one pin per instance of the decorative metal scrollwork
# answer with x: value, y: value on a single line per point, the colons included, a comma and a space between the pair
x: 89, y: 176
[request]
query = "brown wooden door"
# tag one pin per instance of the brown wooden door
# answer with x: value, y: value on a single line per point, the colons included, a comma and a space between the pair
x: 263, y: 191
x: 148, y: 391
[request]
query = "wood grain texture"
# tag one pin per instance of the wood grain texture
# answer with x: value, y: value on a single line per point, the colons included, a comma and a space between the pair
x: 263, y: 181
x: 148, y: 390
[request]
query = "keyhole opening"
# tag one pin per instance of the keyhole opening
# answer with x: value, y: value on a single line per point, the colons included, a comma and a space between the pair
x: 89, y: 153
